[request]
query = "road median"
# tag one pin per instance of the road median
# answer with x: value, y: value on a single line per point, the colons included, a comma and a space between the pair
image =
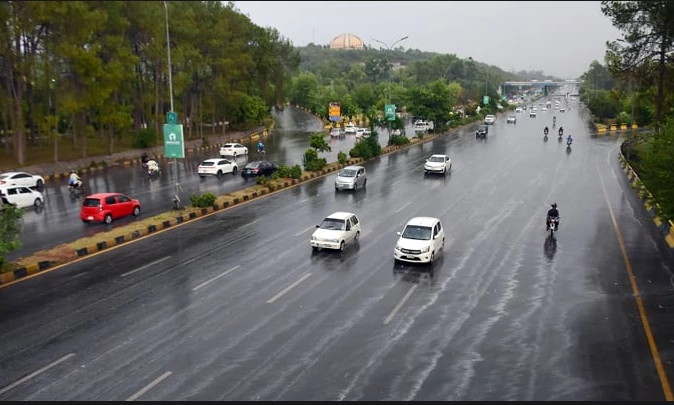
x: 82, y: 248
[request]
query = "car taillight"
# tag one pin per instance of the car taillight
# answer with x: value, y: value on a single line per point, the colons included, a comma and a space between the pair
x: 255, y: 170
x: 2, y: 182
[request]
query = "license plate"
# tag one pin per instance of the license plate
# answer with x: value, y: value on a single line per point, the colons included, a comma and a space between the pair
x: 90, y: 218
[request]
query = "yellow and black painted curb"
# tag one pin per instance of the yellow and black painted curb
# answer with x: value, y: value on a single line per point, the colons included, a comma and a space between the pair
x: 603, y: 129
x: 248, y: 139
x: 665, y: 228
x: 232, y: 199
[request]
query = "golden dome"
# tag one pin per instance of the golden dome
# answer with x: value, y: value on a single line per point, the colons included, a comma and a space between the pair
x: 346, y: 41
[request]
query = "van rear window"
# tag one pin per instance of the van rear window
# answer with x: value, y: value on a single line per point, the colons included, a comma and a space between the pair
x: 91, y: 202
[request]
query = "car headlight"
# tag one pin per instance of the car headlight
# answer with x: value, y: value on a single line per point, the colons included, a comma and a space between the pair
x: 313, y: 237
x: 426, y: 249
x: 398, y: 247
x: 334, y: 240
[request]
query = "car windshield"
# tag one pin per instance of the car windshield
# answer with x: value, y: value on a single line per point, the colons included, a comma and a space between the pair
x: 333, y: 224
x: 417, y: 232
x: 252, y: 165
x: 436, y: 159
x: 229, y: 145
x: 208, y: 163
x: 91, y: 202
x: 348, y: 173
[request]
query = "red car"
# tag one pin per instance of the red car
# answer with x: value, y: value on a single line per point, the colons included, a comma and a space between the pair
x: 104, y: 207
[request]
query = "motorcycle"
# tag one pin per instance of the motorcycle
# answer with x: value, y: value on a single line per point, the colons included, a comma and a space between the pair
x: 552, y: 226
x: 73, y: 188
x: 261, y: 154
x: 154, y: 173
x: 545, y: 132
x: 545, y: 138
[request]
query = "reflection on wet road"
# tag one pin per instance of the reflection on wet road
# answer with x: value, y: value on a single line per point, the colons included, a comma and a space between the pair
x: 236, y: 306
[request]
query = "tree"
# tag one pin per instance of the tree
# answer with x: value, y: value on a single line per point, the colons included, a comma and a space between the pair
x: 10, y: 227
x: 648, y: 35
x: 656, y: 170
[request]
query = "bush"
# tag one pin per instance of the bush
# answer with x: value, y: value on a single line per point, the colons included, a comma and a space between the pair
x: 261, y: 180
x: 144, y: 138
x: 342, y: 158
x: 312, y: 162
x: 366, y: 148
x: 399, y: 140
x: 275, y: 176
x: 203, y: 200
x: 296, y: 172
x: 287, y: 172
x: 420, y: 135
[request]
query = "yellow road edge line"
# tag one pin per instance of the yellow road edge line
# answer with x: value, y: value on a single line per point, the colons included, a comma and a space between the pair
x: 662, y: 375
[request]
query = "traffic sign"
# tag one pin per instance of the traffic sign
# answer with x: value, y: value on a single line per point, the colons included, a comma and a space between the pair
x: 172, y: 118
x: 390, y: 112
x: 174, y: 147
x: 485, y: 100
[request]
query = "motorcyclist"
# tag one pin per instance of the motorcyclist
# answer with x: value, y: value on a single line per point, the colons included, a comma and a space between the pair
x: 152, y: 166
x: 74, y: 180
x: 545, y: 131
x: 144, y: 159
x: 569, y: 140
x: 561, y: 131
x: 554, y: 119
x: 260, y: 148
x: 553, y: 212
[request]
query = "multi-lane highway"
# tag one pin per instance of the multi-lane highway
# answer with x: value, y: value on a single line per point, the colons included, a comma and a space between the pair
x: 58, y: 222
x: 236, y: 307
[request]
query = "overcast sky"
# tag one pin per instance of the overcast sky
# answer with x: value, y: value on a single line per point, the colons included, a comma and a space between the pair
x: 560, y: 38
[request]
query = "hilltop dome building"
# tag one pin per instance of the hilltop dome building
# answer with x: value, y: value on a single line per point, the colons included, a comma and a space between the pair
x: 347, y: 41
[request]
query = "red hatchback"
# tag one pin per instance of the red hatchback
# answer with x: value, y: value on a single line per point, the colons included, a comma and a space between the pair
x: 104, y: 207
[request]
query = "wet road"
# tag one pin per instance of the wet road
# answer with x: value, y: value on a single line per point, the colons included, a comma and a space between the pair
x: 58, y: 222
x: 236, y: 307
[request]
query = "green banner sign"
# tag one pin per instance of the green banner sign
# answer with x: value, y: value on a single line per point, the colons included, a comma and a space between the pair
x: 174, y: 147
x: 390, y: 112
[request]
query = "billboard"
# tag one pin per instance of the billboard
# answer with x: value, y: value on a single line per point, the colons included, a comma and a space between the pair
x: 334, y: 111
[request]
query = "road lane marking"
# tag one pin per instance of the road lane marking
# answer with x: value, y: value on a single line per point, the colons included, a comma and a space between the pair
x: 305, y: 230
x: 146, y: 266
x: 149, y: 386
x: 252, y: 222
x: 400, y: 304
x: 664, y: 381
x: 290, y: 287
x: 403, y: 207
x: 35, y: 373
x: 207, y: 282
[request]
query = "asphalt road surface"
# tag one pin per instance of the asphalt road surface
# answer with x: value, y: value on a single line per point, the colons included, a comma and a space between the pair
x: 58, y: 221
x: 236, y: 307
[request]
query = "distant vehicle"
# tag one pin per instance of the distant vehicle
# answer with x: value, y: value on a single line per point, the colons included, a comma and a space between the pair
x: 233, y: 149
x: 419, y: 242
x: 351, y: 178
x: 336, y: 133
x: 518, y: 110
x: 439, y: 164
x: 420, y: 126
x: 21, y: 196
x: 512, y: 119
x: 350, y: 129
x: 489, y: 119
x: 217, y: 167
x: 104, y: 207
x: 481, y: 131
x: 562, y: 109
x: 21, y: 179
x: 360, y: 132
x: 336, y: 231
x: 258, y: 168
x: 532, y: 114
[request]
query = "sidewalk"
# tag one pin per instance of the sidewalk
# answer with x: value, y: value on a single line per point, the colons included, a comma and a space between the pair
x: 83, y: 165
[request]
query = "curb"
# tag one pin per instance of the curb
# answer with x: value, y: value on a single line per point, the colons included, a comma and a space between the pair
x: 665, y: 228
x: 615, y: 128
x: 233, y: 199
x: 136, y: 161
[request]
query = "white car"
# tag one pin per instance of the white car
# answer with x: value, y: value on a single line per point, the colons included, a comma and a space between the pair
x: 489, y: 119
x: 360, y: 132
x: 351, y: 178
x: 532, y: 114
x: 420, y: 241
x: 336, y: 231
x: 512, y: 118
x: 22, y: 196
x: 216, y: 167
x: 233, y: 149
x: 21, y: 179
x: 518, y: 109
x: 562, y: 109
x: 440, y: 164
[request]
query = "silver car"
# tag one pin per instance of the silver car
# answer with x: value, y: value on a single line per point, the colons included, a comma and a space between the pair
x: 351, y: 178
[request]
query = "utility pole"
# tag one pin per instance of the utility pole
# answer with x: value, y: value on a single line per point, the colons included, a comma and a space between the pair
x: 176, y: 198
x: 389, y: 73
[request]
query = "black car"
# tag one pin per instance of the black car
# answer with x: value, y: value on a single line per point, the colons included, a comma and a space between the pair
x: 258, y: 168
x: 481, y: 131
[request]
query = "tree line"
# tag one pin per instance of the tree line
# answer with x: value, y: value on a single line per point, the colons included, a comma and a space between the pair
x: 99, y: 68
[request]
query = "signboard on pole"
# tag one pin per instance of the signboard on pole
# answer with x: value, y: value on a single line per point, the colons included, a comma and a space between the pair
x: 390, y: 112
x: 174, y: 146
x: 334, y: 111
x: 172, y: 118
x: 485, y: 100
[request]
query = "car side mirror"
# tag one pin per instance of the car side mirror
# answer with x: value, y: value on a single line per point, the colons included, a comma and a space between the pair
x: 317, y: 226
x: 427, y: 160
x: 398, y: 233
x: 436, y: 236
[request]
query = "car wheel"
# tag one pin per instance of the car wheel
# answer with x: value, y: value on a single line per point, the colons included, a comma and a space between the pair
x: 39, y: 184
x: 136, y: 211
x: 234, y: 170
x: 355, y: 186
x: 234, y: 155
x: 219, y: 174
x: 342, y: 245
x: 357, y: 237
x: 108, y: 219
x: 442, y: 246
x: 365, y: 183
x: 314, y: 249
x: 430, y: 263
x: 37, y: 202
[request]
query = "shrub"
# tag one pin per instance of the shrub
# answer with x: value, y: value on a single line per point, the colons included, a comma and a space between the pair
x: 296, y: 172
x: 311, y: 160
x: 342, y: 158
x: 420, y: 135
x: 366, y: 148
x: 203, y: 200
x: 144, y: 138
x: 261, y: 180
x: 275, y: 176
x: 399, y: 140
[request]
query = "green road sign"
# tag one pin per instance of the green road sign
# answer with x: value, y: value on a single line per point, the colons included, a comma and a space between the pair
x: 173, y: 141
x: 172, y: 118
x: 390, y: 112
x: 485, y: 100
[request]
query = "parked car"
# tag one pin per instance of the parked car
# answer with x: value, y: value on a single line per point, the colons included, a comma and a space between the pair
x: 439, y: 164
x: 233, y: 149
x: 336, y: 231
x: 258, y: 168
x: 105, y: 207
x: 512, y: 119
x: 351, y: 178
x: 420, y: 241
x: 489, y: 119
x: 481, y: 131
x: 21, y: 179
x: 21, y: 196
x: 217, y: 167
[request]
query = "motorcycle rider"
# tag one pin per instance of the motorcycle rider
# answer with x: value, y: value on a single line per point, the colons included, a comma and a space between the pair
x: 152, y: 167
x: 545, y: 131
x: 554, y: 119
x: 569, y: 140
x: 144, y: 159
x: 561, y: 131
x: 553, y: 212
x: 74, y: 180
x: 260, y: 148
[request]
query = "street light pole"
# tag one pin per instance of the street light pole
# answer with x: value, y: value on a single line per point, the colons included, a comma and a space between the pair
x: 389, y: 73
x: 176, y: 199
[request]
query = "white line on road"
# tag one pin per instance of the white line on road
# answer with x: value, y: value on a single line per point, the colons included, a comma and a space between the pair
x: 305, y: 230
x: 35, y: 373
x: 403, y: 207
x: 252, y: 222
x: 146, y: 266
x: 207, y: 282
x: 400, y: 305
x: 290, y: 287
x: 149, y: 386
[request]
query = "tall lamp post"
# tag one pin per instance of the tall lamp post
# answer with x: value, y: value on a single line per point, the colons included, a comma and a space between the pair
x: 176, y: 199
x: 389, y: 75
